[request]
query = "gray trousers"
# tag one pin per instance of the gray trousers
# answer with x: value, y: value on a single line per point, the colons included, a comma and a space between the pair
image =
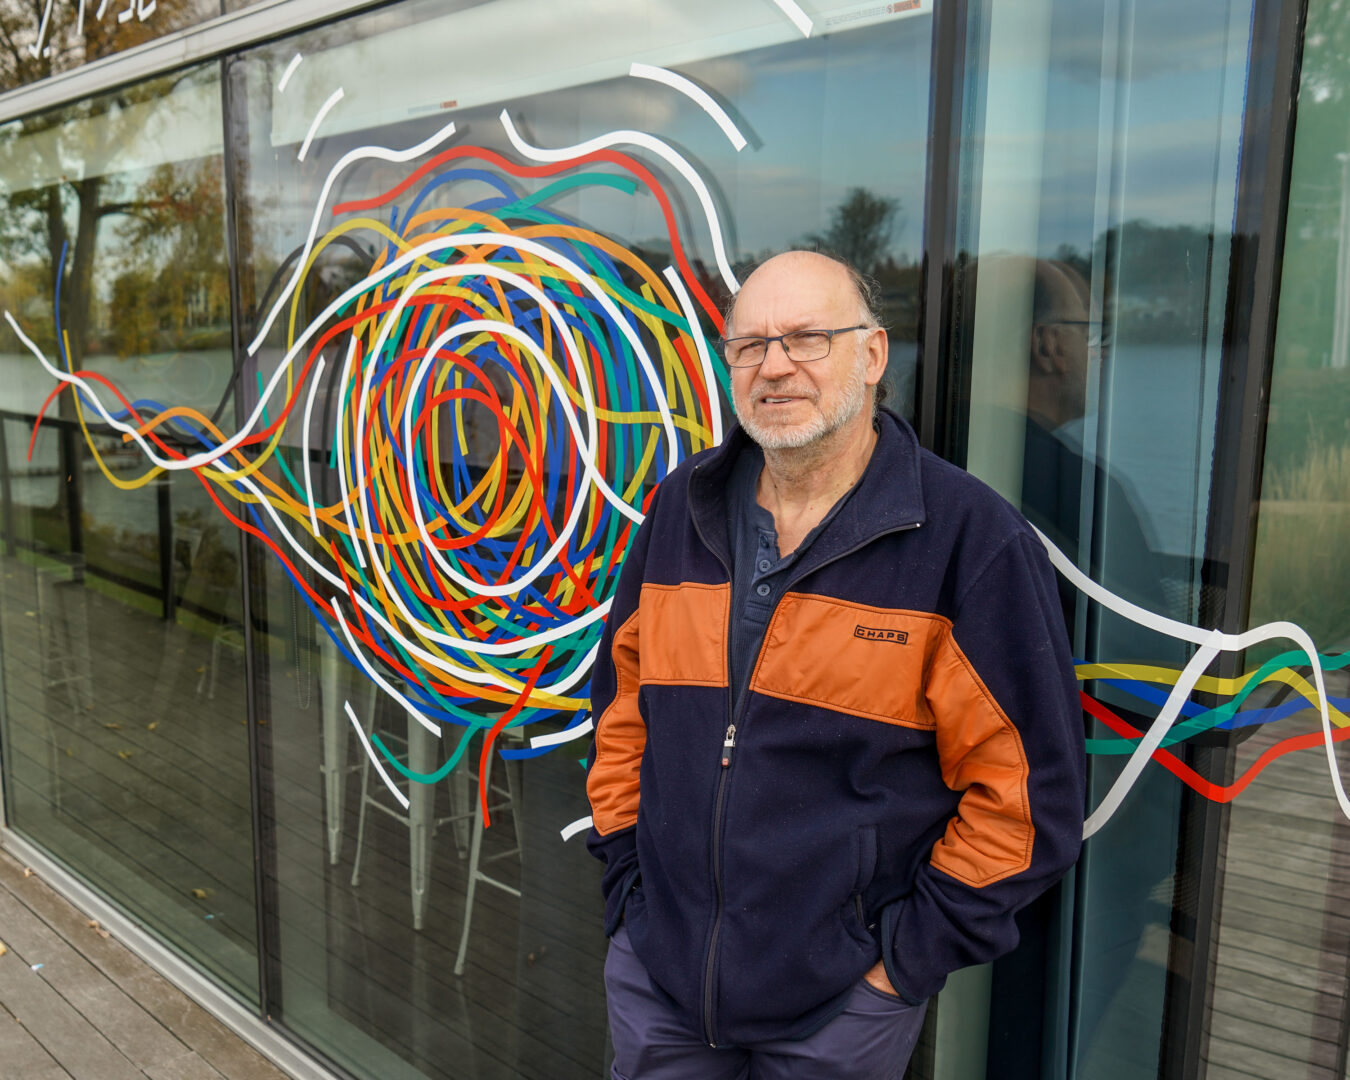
x: 871, y: 1039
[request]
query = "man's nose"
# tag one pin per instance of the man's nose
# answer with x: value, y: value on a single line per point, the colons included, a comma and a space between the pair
x: 776, y: 362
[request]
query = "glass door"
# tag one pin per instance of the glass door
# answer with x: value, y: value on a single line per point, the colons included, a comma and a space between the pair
x: 125, y: 738
x: 1096, y: 197
x: 483, y: 250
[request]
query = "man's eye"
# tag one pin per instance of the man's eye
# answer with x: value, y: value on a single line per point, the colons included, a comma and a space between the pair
x: 748, y: 350
x: 807, y: 344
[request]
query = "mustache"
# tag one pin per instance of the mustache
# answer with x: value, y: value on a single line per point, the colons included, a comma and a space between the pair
x: 779, y: 389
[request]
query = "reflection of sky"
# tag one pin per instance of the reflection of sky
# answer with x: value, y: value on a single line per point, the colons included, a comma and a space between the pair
x: 1171, y: 128
x: 823, y: 115
x: 832, y: 114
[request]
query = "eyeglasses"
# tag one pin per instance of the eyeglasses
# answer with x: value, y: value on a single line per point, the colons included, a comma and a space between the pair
x: 1097, y: 336
x: 801, y: 346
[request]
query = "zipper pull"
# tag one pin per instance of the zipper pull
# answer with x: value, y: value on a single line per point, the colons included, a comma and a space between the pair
x: 728, y: 744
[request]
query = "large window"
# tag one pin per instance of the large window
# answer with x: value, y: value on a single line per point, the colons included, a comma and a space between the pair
x: 384, y: 345
x: 126, y: 754
x: 339, y: 371
x: 1097, y: 193
x: 494, y: 341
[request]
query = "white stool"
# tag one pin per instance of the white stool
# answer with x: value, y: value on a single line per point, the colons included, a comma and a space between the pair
x: 420, y: 756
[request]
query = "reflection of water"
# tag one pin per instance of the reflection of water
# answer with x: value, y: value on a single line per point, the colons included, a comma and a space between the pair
x: 180, y: 378
x: 196, y: 379
x: 1162, y: 444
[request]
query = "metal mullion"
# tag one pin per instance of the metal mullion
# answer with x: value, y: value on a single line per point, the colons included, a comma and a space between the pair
x: 934, y: 364
x: 256, y: 704
x: 1266, y: 153
x: 945, y: 96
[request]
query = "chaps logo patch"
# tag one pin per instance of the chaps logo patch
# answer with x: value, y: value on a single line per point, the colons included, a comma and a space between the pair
x: 876, y: 633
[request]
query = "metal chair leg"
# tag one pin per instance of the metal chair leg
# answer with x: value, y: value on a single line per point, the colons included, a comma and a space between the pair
x: 421, y: 808
x: 475, y: 853
x: 365, y: 802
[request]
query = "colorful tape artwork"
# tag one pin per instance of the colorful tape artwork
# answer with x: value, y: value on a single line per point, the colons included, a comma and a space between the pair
x: 471, y: 585
x: 469, y: 575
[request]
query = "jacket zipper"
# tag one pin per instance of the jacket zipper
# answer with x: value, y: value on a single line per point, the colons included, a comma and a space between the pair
x: 719, y: 807
x: 728, y: 745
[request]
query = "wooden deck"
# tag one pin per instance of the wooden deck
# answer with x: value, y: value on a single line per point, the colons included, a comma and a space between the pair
x: 1283, y: 956
x: 76, y: 1005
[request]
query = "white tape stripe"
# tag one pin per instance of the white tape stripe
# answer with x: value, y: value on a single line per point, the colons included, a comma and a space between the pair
x: 796, y: 14
x: 374, y: 759
x: 695, y: 93
x: 656, y: 146
x: 1108, y: 599
x: 324, y: 110
x: 38, y: 46
x: 1206, y: 639
x: 696, y: 332
x: 580, y: 825
x: 290, y: 70
x: 304, y: 448
x: 565, y: 736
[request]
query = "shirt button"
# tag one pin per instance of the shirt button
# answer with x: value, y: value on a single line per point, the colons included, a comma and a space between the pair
x: 763, y: 590
x: 764, y: 564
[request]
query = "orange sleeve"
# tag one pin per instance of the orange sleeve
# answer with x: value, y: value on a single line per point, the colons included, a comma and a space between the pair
x: 620, y: 737
x: 981, y: 756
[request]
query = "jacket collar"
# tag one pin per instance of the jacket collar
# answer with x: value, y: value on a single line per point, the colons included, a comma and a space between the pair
x: 889, y: 496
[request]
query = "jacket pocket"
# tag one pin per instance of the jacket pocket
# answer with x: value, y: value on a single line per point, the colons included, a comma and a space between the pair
x: 855, y: 912
x: 867, y: 857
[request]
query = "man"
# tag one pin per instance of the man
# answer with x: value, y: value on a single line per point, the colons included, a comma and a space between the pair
x: 837, y: 741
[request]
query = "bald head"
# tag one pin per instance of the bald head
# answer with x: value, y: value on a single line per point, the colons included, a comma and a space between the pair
x: 790, y: 404
x: 836, y: 281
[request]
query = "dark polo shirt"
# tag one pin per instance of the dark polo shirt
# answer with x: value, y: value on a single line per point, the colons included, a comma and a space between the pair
x: 759, y: 575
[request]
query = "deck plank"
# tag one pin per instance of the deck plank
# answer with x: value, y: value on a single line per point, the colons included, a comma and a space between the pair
x: 21, y: 1055
x: 155, y: 1026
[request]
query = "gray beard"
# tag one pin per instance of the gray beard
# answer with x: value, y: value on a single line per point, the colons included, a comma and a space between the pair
x: 851, y: 403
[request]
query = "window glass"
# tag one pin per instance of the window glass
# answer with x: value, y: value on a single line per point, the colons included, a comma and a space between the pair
x: 1277, y: 1001
x: 452, y: 499
x: 122, y: 628
x: 1098, y: 190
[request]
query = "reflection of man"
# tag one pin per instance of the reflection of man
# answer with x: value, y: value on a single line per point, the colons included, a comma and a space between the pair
x: 1061, y: 329
x: 1061, y: 480
x: 837, y: 735
x: 1054, y: 459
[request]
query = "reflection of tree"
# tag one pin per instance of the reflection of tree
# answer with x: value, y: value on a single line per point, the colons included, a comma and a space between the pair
x: 73, y: 143
x: 860, y: 229
x: 860, y: 232
x: 65, y: 47
x: 60, y: 163
x: 1160, y: 277
x: 173, y: 289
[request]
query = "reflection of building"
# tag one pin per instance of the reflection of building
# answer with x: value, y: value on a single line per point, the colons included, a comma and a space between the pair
x: 1149, y: 361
